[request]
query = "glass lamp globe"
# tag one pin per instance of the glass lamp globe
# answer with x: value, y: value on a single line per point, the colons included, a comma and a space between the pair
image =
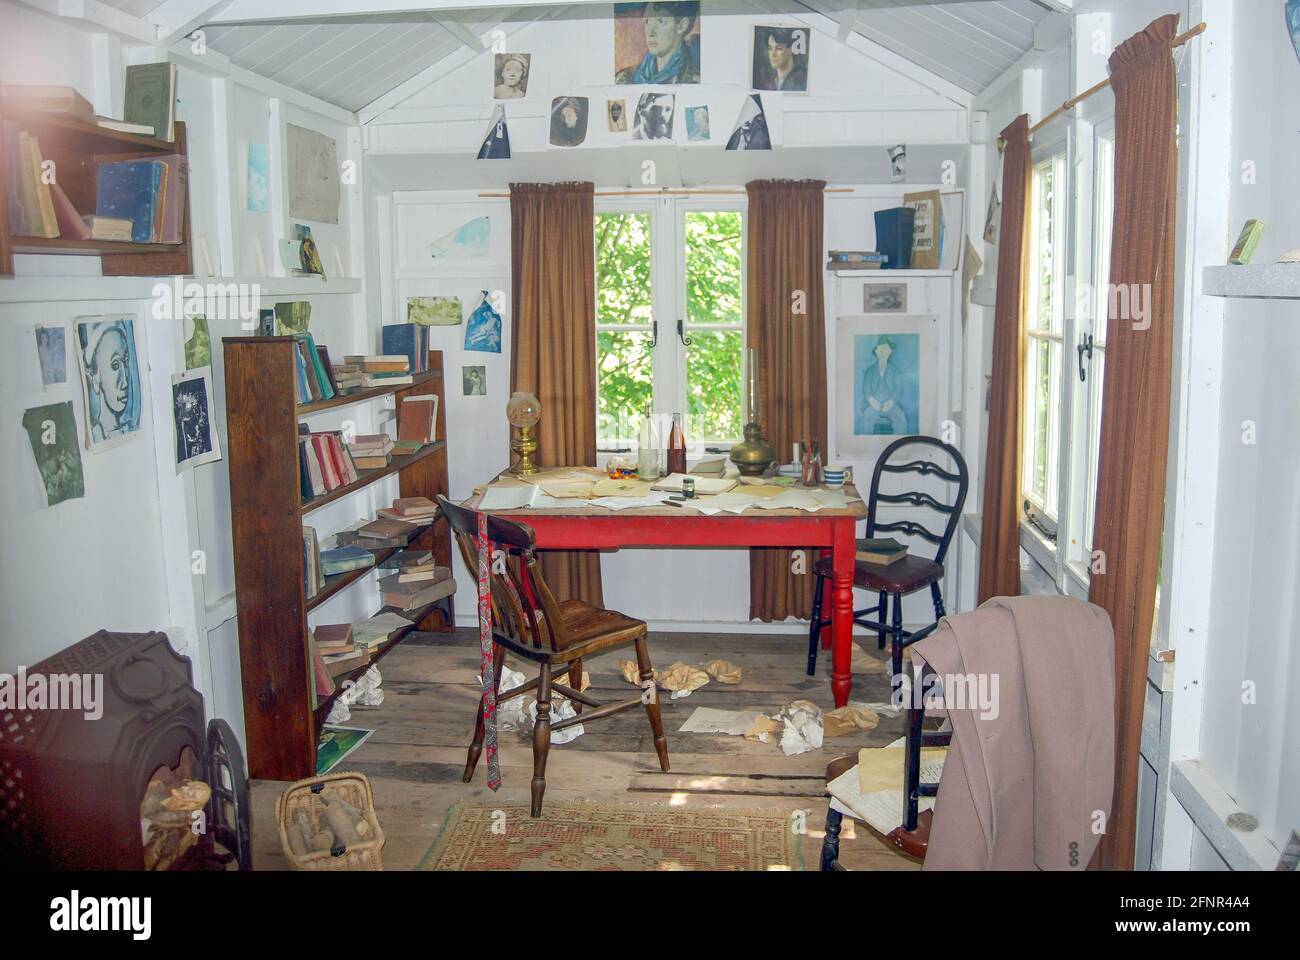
x: 523, y: 411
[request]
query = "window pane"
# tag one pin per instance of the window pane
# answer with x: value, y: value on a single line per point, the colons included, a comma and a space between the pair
x: 1105, y: 219
x: 624, y: 382
x: 713, y: 246
x: 1042, y: 301
x: 713, y: 364
x: 1038, y: 382
x: 623, y: 268
x: 1096, y: 372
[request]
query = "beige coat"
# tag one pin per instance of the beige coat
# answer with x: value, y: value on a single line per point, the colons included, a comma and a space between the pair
x: 1030, y: 787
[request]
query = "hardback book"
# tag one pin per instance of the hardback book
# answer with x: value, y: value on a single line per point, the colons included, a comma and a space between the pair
x: 334, y: 637
x: 324, y: 356
x: 340, y: 663
x: 417, y: 418
x: 121, y: 126
x: 324, y: 683
x: 427, y: 573
x: 386, y: 379
x: 709, y: 468
x: 108, y: 228
x: 371, y: 443
x: 410, y: 558
x: 927, y: 228
x: 151, y: 98
x: 46, y: 219
x: 365, y: 462
x: 129, y: 189
x: 171, y: 211
x: 409, y: 596
x: 352, y: 536
x: 415, y: 507
x: 313, y: 578
x: 880, y: 550
x: 388, y: 530
x: 27, y: 181
x: 1245, y: 246
x: 381, y: 363
x: 857, y: 256
x: 410, y: 340
x: 46, y: 99
x: 894, y: 230
x: 318, y: 379
x: 13, y: 185
x: 406, y: 447
x: 344, y: 559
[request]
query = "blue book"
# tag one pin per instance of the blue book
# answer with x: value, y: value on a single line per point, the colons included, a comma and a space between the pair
x: 129, y: 189
x: 343, y: 559
x: 894, y: 236
x: 410, y: 340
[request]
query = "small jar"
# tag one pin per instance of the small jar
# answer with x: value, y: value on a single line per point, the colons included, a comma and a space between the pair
x: 688, y: 488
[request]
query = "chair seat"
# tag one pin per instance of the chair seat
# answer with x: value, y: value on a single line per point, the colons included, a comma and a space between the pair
x: 902, y: 576
x: 592, y: 629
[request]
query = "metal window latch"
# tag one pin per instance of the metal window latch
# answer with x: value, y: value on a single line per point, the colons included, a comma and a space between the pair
x: 1085, y: 346
x: 654, y: 333
x: 681, y: 334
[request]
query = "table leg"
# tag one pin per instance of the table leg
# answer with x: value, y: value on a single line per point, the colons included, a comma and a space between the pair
x: 842, y: 557
x: 826, y: 607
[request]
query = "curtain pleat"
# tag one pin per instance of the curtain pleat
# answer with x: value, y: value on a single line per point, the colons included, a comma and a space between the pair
x: 553, y: 344
x: 786, y: 325
x: 999, y: 573
x: 1136, y: 395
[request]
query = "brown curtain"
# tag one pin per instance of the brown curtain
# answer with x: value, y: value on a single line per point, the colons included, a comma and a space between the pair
x: 1136, y: 395
x: 1000, y: 523
x: 553, y: 344
x: 786, y: 326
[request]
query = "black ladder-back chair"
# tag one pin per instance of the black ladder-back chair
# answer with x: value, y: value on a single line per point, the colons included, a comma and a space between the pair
x: 528, y: 621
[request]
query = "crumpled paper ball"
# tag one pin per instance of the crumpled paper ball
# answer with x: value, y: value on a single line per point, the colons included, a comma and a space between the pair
x: 723, y: 671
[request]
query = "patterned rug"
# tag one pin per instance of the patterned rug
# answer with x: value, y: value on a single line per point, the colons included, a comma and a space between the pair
x: 612, y: 836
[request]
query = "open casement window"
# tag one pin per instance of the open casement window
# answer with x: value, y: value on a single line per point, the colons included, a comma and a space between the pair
x: 669, y: 319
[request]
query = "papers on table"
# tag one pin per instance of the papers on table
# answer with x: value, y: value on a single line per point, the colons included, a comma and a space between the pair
x: 626, y: 494
x: 524, y: 495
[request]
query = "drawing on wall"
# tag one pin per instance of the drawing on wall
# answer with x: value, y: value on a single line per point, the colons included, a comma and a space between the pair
x: 657, y: 42
x: 433, y: 311
x: 750, y: 131
x: 568, y: 121
x: 52, y: 351
x: 313, y: 175
x: 483, y: 328
x: 196, y: 436
x: 617, y: 111
x: 110, y: 378
x: 991, y: 218
x: 258, y: 185
x: 884, y: 298
x: 897, y: 163
x: 52, y: 430
x: 308, y: 255
x: 781, y: 58
x: 266, y: 323
x: 198, y: 342
x: 886, y: 372
x: 654, y: 117
x: 697, y: 124
x: 496, y: 141
x: 510, y: 76
x: 292, y: 317
x: 473, y: 381
x: 470, y: 239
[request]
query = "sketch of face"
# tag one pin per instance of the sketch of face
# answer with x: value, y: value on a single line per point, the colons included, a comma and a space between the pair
x: 779, y: 55
x: 663, y: 31
x: 570, y: 116
x: 616, y: 112
x: 110, y: 374
x: 882, y: 352
x: 512, y: 71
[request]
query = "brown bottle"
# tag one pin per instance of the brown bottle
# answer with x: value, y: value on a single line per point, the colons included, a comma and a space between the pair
x: 677, y: 446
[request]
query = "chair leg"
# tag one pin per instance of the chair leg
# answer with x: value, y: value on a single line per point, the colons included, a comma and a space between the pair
x: 541, y: 739
x: 882, y: 611
x: 896, y: 643
x: 476, y: 745
x: 831, y: 843
x: 936, y: 594
x: 575, y: 681
x: 815, y: 626
x: 650, y: 698
x: 912, y: 761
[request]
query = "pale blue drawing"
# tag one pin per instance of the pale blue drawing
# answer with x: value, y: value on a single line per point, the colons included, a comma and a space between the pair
x: 111, y: 379
x: 886, y: 384
x: 483, y: 328
x: 468, y: 240
x: 258, y: 179
x: 53, y: 353
x: 1293, y: 23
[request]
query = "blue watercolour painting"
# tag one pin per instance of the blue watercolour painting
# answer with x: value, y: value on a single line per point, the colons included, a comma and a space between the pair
x: 886, y: 384
x: 1293, y: 23
x: 52, y: 350
x: 468, y: 240
x: 483, y: 328
x: 258, y: 179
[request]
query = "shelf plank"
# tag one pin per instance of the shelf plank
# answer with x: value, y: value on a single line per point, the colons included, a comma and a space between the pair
x: 367, y: 477
x: 1254, y: 280
x: 87, y: 248
x: 369, y: 393
x: 61, y: 129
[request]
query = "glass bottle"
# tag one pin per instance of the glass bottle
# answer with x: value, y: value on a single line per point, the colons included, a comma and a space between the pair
x: 677, y: 446
x: 647, y: 448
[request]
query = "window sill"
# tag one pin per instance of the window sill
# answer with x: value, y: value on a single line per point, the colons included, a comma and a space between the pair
x: 1041, y: 550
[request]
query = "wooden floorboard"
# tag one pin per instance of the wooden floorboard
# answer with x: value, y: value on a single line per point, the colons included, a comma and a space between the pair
x: 416, y: 756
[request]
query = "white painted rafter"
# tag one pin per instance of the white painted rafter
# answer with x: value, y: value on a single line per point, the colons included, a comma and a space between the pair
x: 180, y: 18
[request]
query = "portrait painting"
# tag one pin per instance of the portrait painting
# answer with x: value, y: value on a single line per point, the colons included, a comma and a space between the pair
x: 886, y: 371
x: 52, y: 352
x: 654, y: 117
x: 657, y: 42
x: 196, y: 434
x: 510, y: 76
x: 697, y: 124
x: 110, y: 376
x: 568, y: 121
x: 781, y: 58
x: 473, y: 381
x: 884, y: 298
x: 617, y: 112
x: 52, y: 430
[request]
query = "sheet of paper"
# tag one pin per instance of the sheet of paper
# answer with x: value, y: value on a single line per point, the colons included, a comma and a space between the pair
x: 735, y: 723
x: 623, y: 503
x: 881, y: 809
x: 881, y: 768
x: 791, y: 500
x: 508, y: 498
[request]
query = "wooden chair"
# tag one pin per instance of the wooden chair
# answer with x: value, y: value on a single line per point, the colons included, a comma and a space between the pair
x: 556, y: 635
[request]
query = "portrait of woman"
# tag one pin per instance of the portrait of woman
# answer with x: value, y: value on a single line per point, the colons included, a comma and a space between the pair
x: 510, y: 79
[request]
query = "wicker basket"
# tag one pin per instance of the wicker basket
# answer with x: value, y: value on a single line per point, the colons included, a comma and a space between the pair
x: 305, y: 795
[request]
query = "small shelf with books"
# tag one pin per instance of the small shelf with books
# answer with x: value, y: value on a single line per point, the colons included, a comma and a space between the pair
x: 268, y: 511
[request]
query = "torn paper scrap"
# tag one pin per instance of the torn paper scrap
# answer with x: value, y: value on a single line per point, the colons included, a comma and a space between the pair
x: 560, y: 710
x: 762, y: 729
x: 723, y: 671
x: 802, y: 727
x: 864, y: 662
x: 632, y: 673
x: 510, y: 714
x: 681, y: 680
x: 735, y: 723
x: 845, y: 720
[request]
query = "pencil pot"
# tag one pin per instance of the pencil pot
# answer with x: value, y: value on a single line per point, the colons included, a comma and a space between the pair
x: 328, y: 823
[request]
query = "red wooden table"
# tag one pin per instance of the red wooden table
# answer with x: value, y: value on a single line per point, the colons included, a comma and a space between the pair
x: 832, y: 530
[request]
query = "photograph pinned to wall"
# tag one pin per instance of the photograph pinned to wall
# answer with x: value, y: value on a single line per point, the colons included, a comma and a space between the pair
x: 991, y: 218
x: 110, y: 376
x: 510, y: 76
x: 313, y: 175
x: 52, y: 430
x: 483, y: 328
x: 257, y: 197
x: 308, y: 254
x: 884, y: 298
x: 568, y: 121
x: 198, y: 342
x: 196, y: 434
x: 750, y: 132
x: 886, y: 370
x: 926, y: 228
x: 496, y: 141
x: 657, y: 42
x: 897, y: 163
x: 616, y: 113
x: 654, y: 117
x: 471, y: 239
x: 292, y: 317
x: 266, y: 323
x: 781, y: 58
x: 473, y: 381
x: 697, y: 124
x: 52, y: 352
x: 433, y: 311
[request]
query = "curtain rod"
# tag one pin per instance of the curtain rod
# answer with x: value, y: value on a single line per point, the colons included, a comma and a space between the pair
x: 666, y: 191
x: 1074, y: 101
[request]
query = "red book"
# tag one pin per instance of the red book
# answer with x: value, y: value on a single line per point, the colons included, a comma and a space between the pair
x: 319, y: 444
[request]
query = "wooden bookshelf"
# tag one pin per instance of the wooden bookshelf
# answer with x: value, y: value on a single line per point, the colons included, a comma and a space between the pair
x: 77, y: 147
x: 267, y: 515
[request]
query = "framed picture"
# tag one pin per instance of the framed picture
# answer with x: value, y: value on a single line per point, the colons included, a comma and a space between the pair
x: 884, y: 298
x: 886, y: 376
x: 196, y: 435
x: 110, y: 379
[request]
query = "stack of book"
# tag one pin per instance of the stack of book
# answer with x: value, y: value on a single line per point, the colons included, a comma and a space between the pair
x: 314, y: 372
x: 856, y: 260
x: 324, y: 462
x: 313, y: 579
x: 371, y: 451
x: 377, y: 534
x: 383, y: 370
x: 881, y: 551
x: 347, y: 376
x: 410, y: 340
x: 410, y: 510
x: 149, y: 193
x: 323, y: 683
x: 338, y: 649
x: 403, y: 591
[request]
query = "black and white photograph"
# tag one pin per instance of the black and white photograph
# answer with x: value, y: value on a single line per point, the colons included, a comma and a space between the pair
x: 616, y: 111
x: 473, y: 381
x: 897, y: 163
x: 568, y: 121
x: 510, y: 76
x: 750, y: 132
x: 196, y: 435
x: 781, y: 58
x: 884, y: 298
x: 654, y: 117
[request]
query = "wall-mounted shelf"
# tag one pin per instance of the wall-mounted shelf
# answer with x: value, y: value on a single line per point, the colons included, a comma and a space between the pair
x: 1254, y: 280
x: 871, y: 274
